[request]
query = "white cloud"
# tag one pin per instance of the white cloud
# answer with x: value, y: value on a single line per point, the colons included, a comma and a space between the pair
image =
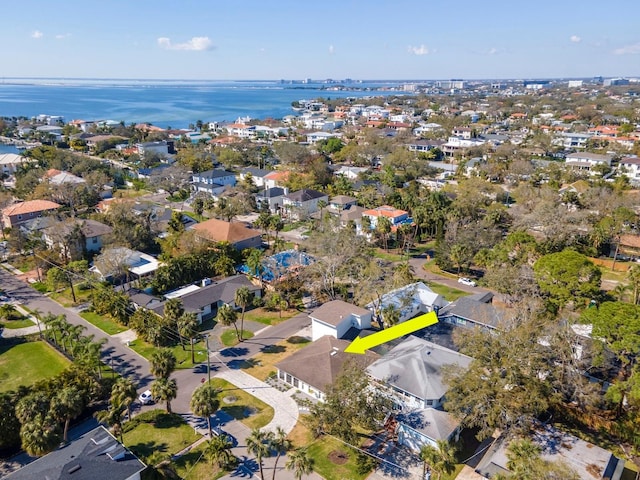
x: 575, y: 39
x: 62, y: 36
x: 196, y: 44
x: 493, y: 51
x: 633, y: 49
x: 331, y: 49
x: 419, y: 50
x: 37, y: 34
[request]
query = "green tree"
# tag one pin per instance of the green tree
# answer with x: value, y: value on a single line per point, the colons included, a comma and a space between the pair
x: 300, y: 462
x: 66, y: 406
x: 227, y: 316
x: 188, y: 328
x: 123, y: 394
x: 204, y: 403
x: 390, y: 315
x: 9, y: 423
x: 254, y: 263
x: 567, y: 277
x: 165, y: 389
x: 633, y: 276
x: 39, y: 436
x: 440, y: 459
x: 383, y: 228
x: 243, y: 298
x: 218, y: 451
x: 258, y: 446
x: 163, y: 363
x: 8, y: 311
x: 281, y: 445
x: 173, y: 309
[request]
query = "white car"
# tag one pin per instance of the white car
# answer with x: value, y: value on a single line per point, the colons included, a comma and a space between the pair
x: 146, y: 397
x: 466, y: 281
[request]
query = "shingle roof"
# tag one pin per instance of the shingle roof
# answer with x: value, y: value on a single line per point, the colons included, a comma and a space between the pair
x: 305, y: 195
x: 320, y: 363
x: 96, y: 455
x: 333, y: 312
x: 30, y: 206
x: 221, y: 231
x: 475, y: 311
x: 415, y: 366
x: 435, y: 424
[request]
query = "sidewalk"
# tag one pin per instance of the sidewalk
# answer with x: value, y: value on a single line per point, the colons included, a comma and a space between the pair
x: 21, y: 332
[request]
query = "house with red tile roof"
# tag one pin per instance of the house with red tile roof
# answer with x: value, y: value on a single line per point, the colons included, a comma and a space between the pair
x: 395, y: 216
x: 236, y: 233
x: 19, y: 213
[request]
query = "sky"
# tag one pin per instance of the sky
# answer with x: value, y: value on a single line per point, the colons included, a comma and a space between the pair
x: 298, y: 39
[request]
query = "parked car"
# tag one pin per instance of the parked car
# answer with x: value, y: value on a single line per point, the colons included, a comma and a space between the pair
x: 146, y: 397
x: 466, y: 281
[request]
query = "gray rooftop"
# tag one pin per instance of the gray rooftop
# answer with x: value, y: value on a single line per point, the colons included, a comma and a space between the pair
x: 415, y: 366
x: 474, y: 309
x: 333, y: 312
x: 96, y: 455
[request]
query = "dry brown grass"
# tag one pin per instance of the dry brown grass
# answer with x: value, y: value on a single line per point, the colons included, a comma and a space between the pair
x: 262, y: 364
x: 300, y: 435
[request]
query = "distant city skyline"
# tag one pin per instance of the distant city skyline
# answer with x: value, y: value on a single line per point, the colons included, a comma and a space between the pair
x: 294, y: 40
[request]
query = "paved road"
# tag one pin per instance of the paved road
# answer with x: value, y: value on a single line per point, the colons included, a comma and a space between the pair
x: 418, y: 262
x: 122, y: 359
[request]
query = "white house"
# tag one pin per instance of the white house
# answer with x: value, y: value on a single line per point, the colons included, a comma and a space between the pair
x: 9, y: 162
x: 410, y: 375
x: 630, y: 168
x: 335, y: 318
x: 410, y: 300
x: 213, y: 182
x: 302, y: 203
x: 161, y: 148
x: 585, y: 161
x: 316, y: 137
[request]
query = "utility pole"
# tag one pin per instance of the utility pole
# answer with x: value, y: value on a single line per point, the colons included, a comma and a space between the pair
x: 208, y: 361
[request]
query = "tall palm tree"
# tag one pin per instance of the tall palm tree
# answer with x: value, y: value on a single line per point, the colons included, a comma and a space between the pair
x: 281, y: 444
x: 173, y: 310
x: 383, y: 227
x: 300, y: 462
x: 66, y: 406
x: 227, y: 316
x: 218, y: 451
x: 441, y: 458
x: 123, y: 394
x: 165, y: 389
x: 633, y: 275
x: 187, y: 327
x: 160, y: 467
x: 522, y: 456
x: 243, y: 298
x: 254, y: 262
x: 163, y: 363
x: 8, y: 311
x: 258, y: 445
x: 204, y: 403
x: 32, y: 406
x: 113, y: 418
x: 390, y: 316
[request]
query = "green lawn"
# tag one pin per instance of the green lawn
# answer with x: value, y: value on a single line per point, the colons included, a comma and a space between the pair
x: 183, y: 356
x: 106, y: 324
x: 320, y: 451
x: 449, y: 293
x: 28, y: 363
x: 390, y: 256
x: 229, y: 337
x: 157, y: 431
x: 262, y: 364
x: 241, y: 405
x: 65, y: 298
x: 193, y: 466
x: 20, y: 322
x: 267, y: 317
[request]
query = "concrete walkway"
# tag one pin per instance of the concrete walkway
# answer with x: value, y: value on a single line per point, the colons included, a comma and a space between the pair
x: 284, y: 407
x: 21, y: 332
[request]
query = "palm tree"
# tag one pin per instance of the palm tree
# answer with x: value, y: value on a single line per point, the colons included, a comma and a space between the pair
x: 633, y: 275
x: 243, y: 299
x: 254, y: 262
x: 227, y: 316
x: 390, y: 316
x: 33, y: 406
x: 165, y: 389
x: 163, y: 363
x: 258, y: 445
x: 281, y: 444
x: 204, y: 403
x: 173, y: 310
x: 8, y: 311
x: 521, y: 458
x: 187, y: 327
x: 65, y: 406
x: 383, y: 227
x: 113, y: 418
x: 218, y: 451
x: 160, y: 467
x: 39, y: 437
x: 123, y: 394
x: 300, y: 462
x: 441, y: 458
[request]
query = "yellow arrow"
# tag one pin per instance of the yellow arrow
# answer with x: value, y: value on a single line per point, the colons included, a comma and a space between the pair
x: 359, y: 345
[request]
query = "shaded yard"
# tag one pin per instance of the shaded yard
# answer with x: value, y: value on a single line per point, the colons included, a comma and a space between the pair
x: 267, y: 317
x: 27, y: 363
x: 262, y: 364
x: 183, y: 355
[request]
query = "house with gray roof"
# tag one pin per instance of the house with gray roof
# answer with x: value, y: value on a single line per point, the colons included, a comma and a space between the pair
x: 301, y: 204
x: 411, y: 376
x: 205, y: 300
x: 473, y: 310
x: 316, y: 366
x: 257, y: 175
x: 213, y: 182
x: 272, y: 197
x: 96, y: 455
x: 409, y: 301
